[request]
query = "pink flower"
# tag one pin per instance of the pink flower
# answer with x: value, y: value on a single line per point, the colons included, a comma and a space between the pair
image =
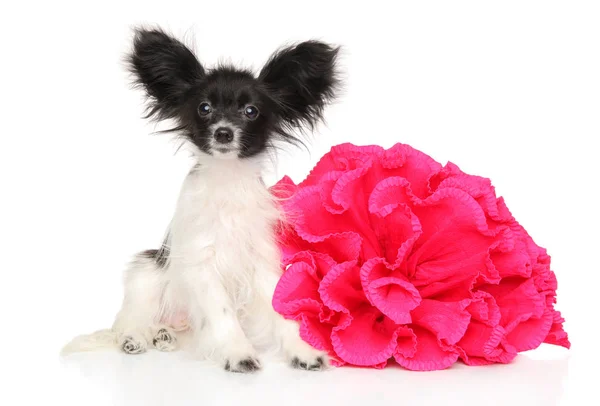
x: 387, y: 254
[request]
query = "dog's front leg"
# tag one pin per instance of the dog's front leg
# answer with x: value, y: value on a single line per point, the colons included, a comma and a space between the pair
x: 298, y: 353
x: 215, y: 321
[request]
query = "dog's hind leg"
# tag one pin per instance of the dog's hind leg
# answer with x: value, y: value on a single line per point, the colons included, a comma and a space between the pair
x: 143, y: 315
x: 138, y: 323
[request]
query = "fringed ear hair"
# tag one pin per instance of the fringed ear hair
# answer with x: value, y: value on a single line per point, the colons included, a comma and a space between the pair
x: 165, y: 68
x: 302, y: 79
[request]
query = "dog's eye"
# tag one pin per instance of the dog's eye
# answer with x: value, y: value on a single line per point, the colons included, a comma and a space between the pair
x: 204, y: 109
x: 251, y: 112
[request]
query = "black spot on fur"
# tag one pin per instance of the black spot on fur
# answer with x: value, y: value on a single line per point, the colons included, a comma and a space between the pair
x: 161, y: 255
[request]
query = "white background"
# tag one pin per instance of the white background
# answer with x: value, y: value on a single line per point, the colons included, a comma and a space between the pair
x: 508, y: 90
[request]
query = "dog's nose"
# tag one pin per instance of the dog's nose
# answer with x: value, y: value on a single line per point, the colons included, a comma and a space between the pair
x: 223, y: 135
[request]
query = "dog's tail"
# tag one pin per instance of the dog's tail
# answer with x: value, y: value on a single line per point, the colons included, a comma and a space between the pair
x: 101, y: 339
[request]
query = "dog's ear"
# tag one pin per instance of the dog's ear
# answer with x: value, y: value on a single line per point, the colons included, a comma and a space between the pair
x: 165, y: 68
x: 302, y: 79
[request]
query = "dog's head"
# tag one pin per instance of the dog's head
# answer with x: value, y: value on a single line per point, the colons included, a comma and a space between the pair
x: 229, y: 112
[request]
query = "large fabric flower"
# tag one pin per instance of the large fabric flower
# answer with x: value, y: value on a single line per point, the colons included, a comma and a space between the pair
x: 389, y: 255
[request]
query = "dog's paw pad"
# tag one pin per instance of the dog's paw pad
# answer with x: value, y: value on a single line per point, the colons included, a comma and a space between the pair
x: 315, y: 364
x: 244, y: 366
x: 164, y: 341
x: 131, y: 346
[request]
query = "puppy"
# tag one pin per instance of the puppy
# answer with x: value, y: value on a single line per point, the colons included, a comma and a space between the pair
x: 218, y: 266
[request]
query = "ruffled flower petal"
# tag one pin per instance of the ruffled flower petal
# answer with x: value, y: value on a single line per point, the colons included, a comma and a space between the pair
x: 297, y: 290
x: 516, y: 262
x: 389, y: 291
x: 342, y: 158
x: 557, y: 334
x: 412, y: 165
x: 430, y: 353
x: 483, y: 344
x: 447, y: 320
x: 397, y: 228
x: 341, y: 290
x: 479, y: 188
x: 369, y: 339
x: 407, y: 342
x: 518, y: 300
x: 530, y: 333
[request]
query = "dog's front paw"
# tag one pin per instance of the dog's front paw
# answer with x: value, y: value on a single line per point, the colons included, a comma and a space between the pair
x: 244, y: 365
x: 311, y: 364
x: 302, y: 356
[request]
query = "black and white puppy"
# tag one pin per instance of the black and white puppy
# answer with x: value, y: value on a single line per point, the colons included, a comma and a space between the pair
x: 219, y: 264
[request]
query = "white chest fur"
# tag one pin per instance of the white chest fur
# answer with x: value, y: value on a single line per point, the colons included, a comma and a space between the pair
x: 224, y: 220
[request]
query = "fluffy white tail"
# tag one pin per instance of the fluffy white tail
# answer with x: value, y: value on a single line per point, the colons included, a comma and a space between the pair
x: 101, y: 339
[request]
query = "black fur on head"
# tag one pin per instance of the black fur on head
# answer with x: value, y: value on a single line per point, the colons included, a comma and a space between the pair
x: 227, y: 111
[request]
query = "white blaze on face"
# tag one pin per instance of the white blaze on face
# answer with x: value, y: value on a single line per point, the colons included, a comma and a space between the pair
x: 225, y: 150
